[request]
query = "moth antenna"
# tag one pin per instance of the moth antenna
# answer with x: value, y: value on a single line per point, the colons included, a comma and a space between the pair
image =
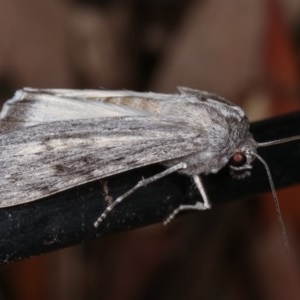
x: 280, y: 141
x: 278, y: 211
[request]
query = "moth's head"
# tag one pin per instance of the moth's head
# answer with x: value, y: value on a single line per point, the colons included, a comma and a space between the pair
x: 240, y: 162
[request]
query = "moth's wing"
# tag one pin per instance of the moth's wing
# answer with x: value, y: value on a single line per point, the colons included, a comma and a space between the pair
x: 31, y: 107
x: 41, y: 160
x: 185, y: 102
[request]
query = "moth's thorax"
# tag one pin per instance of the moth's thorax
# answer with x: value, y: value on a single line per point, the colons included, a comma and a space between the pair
x: 223, y: 131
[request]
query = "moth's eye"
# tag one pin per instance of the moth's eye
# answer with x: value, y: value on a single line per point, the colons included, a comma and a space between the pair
x: 238, y: 159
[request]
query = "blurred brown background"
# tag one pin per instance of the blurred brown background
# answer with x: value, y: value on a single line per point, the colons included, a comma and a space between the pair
x: 245, y: 50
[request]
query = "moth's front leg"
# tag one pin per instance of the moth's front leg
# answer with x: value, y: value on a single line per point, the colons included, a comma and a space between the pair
x: 197, y: 206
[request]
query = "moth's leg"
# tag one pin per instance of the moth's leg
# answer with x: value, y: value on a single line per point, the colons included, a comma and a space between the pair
x: 141, y: 183
x: 197, y: 206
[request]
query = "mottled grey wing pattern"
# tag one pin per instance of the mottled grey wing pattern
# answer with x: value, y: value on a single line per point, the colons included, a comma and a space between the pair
x: 44, y: 159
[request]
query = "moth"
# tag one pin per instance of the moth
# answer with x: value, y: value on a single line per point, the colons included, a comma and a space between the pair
x: 54, y: 139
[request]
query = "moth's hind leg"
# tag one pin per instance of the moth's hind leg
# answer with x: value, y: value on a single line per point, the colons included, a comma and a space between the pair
x: 141, y: 183
x: 197, y: 206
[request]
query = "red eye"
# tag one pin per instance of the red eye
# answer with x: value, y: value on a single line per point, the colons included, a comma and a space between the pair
x: 238, y: 159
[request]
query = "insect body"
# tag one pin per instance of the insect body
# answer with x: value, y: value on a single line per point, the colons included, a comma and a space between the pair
x: 55, y: 139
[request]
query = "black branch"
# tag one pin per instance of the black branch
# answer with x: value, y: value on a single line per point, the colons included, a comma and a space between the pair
x: 67, y: 218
